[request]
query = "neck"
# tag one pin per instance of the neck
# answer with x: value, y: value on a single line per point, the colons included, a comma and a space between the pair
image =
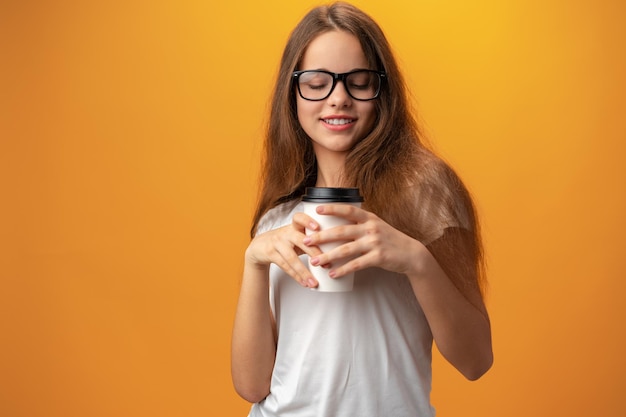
x: 330, y: 171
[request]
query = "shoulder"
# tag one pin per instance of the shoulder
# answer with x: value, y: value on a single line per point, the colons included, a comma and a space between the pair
x: 436, y: 172
x: 441, y: 198
x: 277, y: 216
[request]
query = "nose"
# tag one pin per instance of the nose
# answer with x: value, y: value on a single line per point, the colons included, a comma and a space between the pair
x: 339, y: 97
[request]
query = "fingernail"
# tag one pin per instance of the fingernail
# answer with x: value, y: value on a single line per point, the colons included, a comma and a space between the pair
x: 306, y: 240
x: 313, y: 226
x: 312, y: 283
x: 315, y: 261
x: 332, y: 274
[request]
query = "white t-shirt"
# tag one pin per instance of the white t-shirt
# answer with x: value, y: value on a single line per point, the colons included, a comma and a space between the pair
x: 364, y: 353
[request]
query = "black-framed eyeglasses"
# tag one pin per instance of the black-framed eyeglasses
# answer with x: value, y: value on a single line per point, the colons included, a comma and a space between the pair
x: 361, y: 84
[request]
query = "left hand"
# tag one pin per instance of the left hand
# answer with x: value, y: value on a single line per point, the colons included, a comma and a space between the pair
x: 370, y: 242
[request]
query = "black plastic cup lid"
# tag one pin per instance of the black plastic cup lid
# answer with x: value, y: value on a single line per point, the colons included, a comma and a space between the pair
x: 332, y: 195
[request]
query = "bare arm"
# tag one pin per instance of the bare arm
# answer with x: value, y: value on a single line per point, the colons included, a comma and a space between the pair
x: 253, y: 342
x: 253, y: 348
x: 456, y: 313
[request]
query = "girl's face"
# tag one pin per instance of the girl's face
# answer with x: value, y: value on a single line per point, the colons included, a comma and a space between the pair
x: 338, y: 122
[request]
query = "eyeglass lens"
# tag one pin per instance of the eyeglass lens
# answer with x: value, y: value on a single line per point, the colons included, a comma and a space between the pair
x: 317, y: 85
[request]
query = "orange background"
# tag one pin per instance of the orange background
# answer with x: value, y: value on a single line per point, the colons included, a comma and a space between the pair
x: 129, y: 140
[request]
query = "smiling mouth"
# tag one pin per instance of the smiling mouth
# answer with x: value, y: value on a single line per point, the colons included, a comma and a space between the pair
x: 338, y: 122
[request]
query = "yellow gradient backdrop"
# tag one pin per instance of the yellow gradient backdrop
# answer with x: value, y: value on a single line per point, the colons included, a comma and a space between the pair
x: 129, y: 140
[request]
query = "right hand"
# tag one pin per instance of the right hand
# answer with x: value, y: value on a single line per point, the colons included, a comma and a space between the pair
x: 283, y: 246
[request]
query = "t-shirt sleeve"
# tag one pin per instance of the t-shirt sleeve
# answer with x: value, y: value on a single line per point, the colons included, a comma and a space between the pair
x: 442, y: 203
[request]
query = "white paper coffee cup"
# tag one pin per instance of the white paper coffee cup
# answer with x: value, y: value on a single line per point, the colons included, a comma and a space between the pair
x: 316, y: 196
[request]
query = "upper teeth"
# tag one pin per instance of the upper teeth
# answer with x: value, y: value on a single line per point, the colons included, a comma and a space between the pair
x: 338, y: 121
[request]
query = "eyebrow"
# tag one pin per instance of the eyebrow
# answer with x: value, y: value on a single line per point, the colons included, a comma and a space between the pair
x: 327, y: 70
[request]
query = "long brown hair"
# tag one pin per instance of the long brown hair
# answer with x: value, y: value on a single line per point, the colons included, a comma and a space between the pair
x: 402, y: 181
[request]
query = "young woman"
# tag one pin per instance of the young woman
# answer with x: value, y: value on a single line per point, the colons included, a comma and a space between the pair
x: 340, y: 118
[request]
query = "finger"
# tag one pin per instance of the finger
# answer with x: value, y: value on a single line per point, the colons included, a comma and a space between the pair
x: 346, y: 251
x: 341, y: 233
x: 304, y: 221
x: 289, y: 262
x: 312, y: 251
x: 303, y: 243
x: 297, y: 243
x: 354, y: 265
x: 346, y: 211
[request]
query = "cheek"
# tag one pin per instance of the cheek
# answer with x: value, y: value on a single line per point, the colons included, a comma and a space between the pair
x: 300, y: 114
x: 306, y: 111
x: 370, y: 114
